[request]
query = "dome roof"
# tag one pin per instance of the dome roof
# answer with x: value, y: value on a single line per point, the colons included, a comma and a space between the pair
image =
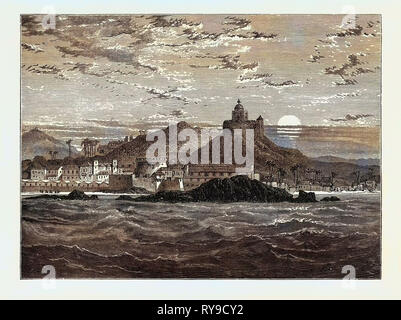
x: 239, y: 106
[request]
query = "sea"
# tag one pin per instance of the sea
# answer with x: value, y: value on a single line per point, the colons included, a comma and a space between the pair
x: 114, y: 239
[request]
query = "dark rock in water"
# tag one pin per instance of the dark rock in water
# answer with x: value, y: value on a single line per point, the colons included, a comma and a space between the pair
x: 305, y: 197
x: 74, y: 195
x: 235, y: 189
x: 332, y: 198
x: 238, y: 188
x: 124, y: 197
x: 77, y: 195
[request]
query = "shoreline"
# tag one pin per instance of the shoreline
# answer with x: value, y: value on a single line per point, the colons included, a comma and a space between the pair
x: 101, y: 194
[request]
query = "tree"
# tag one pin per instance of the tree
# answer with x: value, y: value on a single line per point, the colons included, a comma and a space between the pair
x: 357, y: 175
x: 270, y: 164
x: 294, y: 170
x: 317, y: 175
x: 371, y: 174
x: 333, y: 175
x: 68, y: 142
x: 280, y: 174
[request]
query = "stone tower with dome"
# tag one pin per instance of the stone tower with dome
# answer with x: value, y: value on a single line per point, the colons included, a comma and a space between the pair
x: 239, y: 120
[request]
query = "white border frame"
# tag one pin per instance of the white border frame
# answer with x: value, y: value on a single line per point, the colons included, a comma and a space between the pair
x: 11, y: 287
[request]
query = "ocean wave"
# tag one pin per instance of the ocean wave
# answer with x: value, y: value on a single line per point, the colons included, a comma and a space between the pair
x: 114, y: 239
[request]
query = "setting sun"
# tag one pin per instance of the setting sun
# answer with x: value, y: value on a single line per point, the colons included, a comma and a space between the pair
x: 289, y: 120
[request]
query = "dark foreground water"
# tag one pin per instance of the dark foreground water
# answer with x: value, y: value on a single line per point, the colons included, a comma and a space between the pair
x: 121, y: 239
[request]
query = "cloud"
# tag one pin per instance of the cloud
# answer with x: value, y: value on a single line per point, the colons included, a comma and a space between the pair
x: 161, y: 21
x: 355, y: 31
x: 348, y: 71
x: 317, y: 56
x: 31, y: 47
x: 266, y: 81
x: 350, y: 117
x: 42, y: 69
x: 149, y: 63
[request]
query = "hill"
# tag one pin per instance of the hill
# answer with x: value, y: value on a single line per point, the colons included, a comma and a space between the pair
x: 138, y: 146
x: 37, y: 143
x: 265, y: 151
x: 359, y: 162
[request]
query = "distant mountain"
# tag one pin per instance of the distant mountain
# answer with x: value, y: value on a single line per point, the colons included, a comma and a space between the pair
x: 37, y: 143
x: 360, y: 162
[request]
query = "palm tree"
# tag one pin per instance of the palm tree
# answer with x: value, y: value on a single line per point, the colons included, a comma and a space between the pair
x: 272, y: 169
x: 333, y: 175
x: 294, y: 170
x: 317, y: 174
x: 371, y: 175
x: 270, y: 165
x: 357, y: 175
x: 85, y: 143
x: 280, y: 174
x: 68, y: 142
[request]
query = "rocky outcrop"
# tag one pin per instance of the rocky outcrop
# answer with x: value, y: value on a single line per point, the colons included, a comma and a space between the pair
x: 139, y: 190
x: 332, y: 198
x: 124, y: 197
x: 74, y: 195
x: 79, y: 195
x: 235, y: 189
x: 239, y: 188
x: 305, y: 197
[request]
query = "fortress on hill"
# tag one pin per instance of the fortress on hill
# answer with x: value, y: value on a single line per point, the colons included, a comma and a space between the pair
x: 239, y: 120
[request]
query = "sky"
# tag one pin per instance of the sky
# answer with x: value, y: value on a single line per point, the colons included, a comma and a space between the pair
x: 99, y: 75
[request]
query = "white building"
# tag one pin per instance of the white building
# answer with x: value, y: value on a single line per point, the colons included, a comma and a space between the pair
x: 103, y: 176
x: 86, y: 172
x: 102, y: 170
x: 38, y: 174
x: 53, y: 173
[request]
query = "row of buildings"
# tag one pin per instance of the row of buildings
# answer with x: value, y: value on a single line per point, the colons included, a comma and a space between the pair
x: 88, y: 176
x: 95, y: 171
x: 100, y: 176
x: 163, y: 177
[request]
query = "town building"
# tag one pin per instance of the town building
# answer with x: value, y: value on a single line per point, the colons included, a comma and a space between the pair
x: 119, y: 182
x: 103, y: 176
x: 170, y: 178
x: 197, y: 174
x: 54, y: 172
x: 86, y: 172
x: 70, y: 172
x: 38, y: 173
x: 239, y: 120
